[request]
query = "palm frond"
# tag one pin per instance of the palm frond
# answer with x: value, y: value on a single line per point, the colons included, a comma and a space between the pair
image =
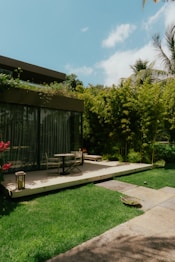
x: 170, y: 39
x: 139, y: 65
x: 165, y: 59
x: 156, y: 41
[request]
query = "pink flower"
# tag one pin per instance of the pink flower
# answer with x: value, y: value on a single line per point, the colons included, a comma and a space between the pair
x: 4, y: 146
x: 6, y: 166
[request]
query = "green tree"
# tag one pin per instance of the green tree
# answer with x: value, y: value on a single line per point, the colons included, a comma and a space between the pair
x: 95, y: 131
x: 169, y: 114
x: 121, y: 116
x: 71, y: 82
x: 150, y: 109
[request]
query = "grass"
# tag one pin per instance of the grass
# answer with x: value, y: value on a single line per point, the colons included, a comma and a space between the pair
x: 40, y: 228
x: 155, y: 178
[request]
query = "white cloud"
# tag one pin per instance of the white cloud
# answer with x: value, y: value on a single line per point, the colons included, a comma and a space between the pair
x: 84, y: 29
x: 169, y: 14
x: 155, y: 18
x: 164, y: 14
x: 120, y: 33
x: 118, y: 65
x: 82, y: 71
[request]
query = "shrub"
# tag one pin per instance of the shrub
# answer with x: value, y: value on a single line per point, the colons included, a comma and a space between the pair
x: 113, y: 157
x: 164, y: 152
x: 133, y: 156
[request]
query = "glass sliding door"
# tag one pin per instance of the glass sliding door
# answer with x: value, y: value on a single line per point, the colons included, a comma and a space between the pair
x: 35, y: 131
x: 18, y: 124
x: 54, y: 132
x: 76, y: 131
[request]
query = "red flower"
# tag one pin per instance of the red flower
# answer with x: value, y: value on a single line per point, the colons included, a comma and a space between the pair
x: 4, y: 146
x: 6, y: 166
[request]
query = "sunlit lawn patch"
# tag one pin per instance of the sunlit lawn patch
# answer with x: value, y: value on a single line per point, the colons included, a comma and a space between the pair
x: 37, y: 229
x: 154, y: 178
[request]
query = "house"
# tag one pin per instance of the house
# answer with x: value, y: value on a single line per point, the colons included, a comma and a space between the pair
x: 28, y: 72
x: 36, y: 122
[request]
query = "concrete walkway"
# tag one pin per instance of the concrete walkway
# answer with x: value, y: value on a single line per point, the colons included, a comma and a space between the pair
x: 149, y: 237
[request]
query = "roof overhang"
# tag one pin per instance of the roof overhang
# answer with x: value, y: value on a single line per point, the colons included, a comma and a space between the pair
x: 29, y: 72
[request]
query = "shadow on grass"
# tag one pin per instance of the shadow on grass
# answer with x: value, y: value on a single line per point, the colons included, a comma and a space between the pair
x: 7, y: 205
x: 123, y: 248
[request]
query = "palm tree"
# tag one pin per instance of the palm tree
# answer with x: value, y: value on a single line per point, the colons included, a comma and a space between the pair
x: 143, y: 70
x: 168, y: 60
x: 139, y: 65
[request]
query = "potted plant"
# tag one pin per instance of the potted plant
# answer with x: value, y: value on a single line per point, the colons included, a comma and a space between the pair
x: 3, y: 166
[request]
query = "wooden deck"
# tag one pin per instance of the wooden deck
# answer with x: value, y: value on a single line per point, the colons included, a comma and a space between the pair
x: 49, y: 180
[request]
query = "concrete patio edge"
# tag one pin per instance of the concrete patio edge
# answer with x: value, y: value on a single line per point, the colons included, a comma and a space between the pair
x: 71, y: 181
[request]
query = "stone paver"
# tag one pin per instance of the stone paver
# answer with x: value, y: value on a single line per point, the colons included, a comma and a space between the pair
x: 116, y: 185
x: 170, y: 203
x: 168, y: 189
x: 147, y: 197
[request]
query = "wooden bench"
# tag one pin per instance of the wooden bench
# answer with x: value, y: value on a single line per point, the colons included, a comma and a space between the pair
x: 92, y: 157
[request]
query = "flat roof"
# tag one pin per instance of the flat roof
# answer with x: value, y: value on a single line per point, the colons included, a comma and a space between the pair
x: 38, y: 99
x: 30, y: 72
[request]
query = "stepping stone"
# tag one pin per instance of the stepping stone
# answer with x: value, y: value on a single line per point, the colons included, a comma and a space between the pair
x: 116, y: 185
x: 148, y: 197
x: 170, y: 203
x: 168, y: 189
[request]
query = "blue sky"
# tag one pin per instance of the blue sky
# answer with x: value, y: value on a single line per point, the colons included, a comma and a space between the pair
x: 97, y: 40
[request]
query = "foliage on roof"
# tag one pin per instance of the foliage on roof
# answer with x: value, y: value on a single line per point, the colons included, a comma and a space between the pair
x: 7, y: 81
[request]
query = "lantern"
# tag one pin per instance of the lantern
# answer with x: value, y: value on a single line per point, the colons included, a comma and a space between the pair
x: 20, y: 179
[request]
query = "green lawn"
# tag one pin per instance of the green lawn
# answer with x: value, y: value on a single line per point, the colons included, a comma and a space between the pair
x: 155, y: 178
x: 39, y: 228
